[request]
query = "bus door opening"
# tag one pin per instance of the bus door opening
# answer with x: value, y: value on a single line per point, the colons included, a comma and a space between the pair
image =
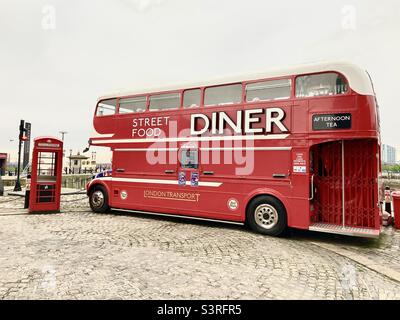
x: 342, y: 183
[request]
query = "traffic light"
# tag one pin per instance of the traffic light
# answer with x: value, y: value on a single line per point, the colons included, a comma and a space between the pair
x: 22, y: 131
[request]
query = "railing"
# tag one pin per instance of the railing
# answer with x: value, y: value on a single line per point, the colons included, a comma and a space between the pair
x: 391, y: 175
x: 68, y: 181
x: 75, y: 181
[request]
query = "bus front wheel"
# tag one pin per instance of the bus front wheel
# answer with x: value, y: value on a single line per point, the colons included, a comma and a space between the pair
x: 267, y: 215
x: 98, y: 200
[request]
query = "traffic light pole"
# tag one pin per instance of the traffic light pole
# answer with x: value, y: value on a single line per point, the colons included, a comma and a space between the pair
x: 21, y: 134
x: 18, y: 182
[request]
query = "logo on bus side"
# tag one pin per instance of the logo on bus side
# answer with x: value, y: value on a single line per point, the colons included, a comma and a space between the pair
x: 245, y: 119
x: 233, y: 204
x: 172, y: 195
x: 124, y: 195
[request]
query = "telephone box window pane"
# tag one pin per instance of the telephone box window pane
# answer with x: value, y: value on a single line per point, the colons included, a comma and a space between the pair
x: 189, y: 159
x: 268, y: 90
x: 132, y: 105
x: 165, y: 101
x: 46, y: 169
x: 45, y: 193
x: 191, y: 98
x: 106, y: 107
x: 325, y: 84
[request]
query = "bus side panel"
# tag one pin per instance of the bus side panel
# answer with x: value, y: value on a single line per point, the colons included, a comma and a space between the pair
x: 223, y: 195
x: 298, y: 213
x: 134, y: 173
x: 292, y: 189
x: 299, y: 210
x: 148, y: 187
x: 203, y: 202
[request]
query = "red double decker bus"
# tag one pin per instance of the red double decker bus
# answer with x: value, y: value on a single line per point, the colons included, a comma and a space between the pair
x: 293, y: 148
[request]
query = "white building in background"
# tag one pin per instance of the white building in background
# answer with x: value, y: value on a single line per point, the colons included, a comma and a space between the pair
x: 398, y: 155
x: 90, y: 164
x: 82, y: 164
x: 388, y: 154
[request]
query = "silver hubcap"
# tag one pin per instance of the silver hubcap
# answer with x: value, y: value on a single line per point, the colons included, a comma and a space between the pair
x: 266, y: 216
x: 97, y: 199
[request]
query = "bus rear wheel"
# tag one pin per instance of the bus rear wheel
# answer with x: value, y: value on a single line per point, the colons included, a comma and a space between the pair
x: 267, y: 215
x: 98, y: 200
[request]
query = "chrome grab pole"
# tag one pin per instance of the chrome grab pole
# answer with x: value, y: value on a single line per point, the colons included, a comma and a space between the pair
x: 343, y: 209
x: 312, y: 188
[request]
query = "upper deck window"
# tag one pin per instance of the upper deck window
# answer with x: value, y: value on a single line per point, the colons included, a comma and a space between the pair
x: 325, y: 84
x: 191, y: 98
x: 165, y: 101
x: 106, y: 107
x: 269, y: 90
x: 223, y: 95
x: 132, y: 105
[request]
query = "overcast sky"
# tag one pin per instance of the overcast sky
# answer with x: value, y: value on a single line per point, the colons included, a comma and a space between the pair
x: 57, y: 57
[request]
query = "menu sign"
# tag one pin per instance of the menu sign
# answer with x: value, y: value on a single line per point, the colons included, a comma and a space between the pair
x: 331, y: 121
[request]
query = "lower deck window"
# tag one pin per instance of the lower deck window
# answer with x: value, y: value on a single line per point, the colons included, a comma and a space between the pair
x: 189, y: 159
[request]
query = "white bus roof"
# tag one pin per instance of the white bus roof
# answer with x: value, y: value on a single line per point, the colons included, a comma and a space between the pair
x: 358, y: 78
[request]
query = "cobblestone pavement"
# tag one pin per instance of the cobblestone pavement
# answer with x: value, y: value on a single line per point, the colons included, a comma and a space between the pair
x: 82, y: 255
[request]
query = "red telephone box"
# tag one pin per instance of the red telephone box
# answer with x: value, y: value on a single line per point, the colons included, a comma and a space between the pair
x: 46, y: 175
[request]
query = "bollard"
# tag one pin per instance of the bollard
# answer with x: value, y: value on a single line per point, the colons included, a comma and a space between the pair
x: 27, y: 191
x: 27, y: 195
x: 1, y: 187
x: 396, y: 207
x: 387, y: 218
x: 388, y: 200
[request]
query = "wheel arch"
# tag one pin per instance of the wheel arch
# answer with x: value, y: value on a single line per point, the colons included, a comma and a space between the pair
x: 98, y: 182
x: 266, y: 192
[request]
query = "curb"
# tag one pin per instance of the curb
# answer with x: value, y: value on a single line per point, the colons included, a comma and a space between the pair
x: 366, y: 262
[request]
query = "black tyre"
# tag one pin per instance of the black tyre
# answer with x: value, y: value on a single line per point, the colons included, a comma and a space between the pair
x: 267, y: 215
x: 98, y: 199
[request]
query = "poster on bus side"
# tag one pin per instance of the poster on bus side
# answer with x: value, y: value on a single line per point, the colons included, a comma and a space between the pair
x: 182, y: 178
x: 194, y: 179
